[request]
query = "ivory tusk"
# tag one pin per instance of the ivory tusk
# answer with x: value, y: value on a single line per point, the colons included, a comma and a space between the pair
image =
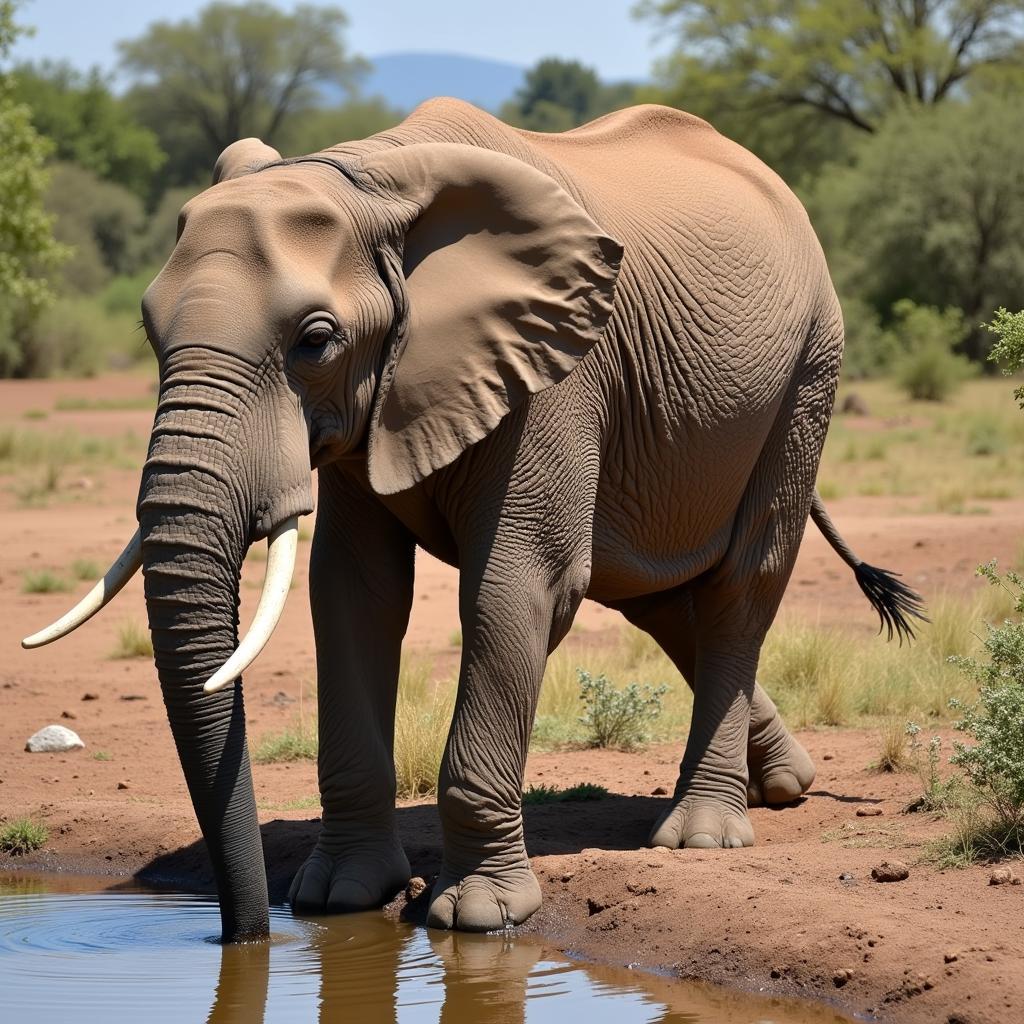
x: 124, y: 568
x: 281, y: 548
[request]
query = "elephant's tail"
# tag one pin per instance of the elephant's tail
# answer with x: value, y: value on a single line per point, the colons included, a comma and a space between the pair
x: 894, y: 601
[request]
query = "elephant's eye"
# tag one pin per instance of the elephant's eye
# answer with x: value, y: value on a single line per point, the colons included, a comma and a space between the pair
x: 317, y: 333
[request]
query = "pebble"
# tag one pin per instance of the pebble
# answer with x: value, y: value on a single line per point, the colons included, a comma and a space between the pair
x: 90, y: 696
x: 659, y: 791
x: 123, y: 785
x: 950, y: 957
x: 842, y: 976
x: 848, y: 878
x: 415, y: 889
x: 828, y: 757
x: 68, y: 714
x: 1003, y: 876
x: 868, y: 812
x: 890, y: 871
x: 53, y: 739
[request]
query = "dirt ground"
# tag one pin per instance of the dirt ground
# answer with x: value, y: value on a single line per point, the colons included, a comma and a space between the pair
x: 939, y: 946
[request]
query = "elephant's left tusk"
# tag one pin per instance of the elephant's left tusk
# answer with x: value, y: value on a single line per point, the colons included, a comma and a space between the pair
x: 125, y: 566
x: 281, y: 548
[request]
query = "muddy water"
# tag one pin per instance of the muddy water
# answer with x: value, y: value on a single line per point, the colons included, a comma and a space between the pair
x: 73, y: 950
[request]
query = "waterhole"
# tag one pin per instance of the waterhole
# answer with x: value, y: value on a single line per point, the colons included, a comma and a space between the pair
x: 80, y: 950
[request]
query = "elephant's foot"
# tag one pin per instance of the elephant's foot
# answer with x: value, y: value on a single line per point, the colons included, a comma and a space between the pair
x: 340, y: 876
x: 485, y: 900
x: 781, y: 770
x: 700, y: 822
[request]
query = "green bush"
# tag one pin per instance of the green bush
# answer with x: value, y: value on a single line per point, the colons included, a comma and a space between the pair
x: 929, y: 370
x: 544, y: 794
x: 1009, y: 348
x: 618, y: 718
x: 21, y: 837
x: 994, y: 762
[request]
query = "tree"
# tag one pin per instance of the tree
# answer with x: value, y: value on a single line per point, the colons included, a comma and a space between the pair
x: 771, y: 72
x: 557, y: 95
x: 931, y: 211
x: 236, y: 70
x: 28, y: 250
x: 88, y: 125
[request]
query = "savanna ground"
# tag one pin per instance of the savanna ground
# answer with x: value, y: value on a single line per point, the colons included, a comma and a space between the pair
x: 927, y: 489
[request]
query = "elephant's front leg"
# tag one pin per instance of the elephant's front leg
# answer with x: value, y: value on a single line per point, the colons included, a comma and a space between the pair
x: 507, y: 626
x: 361, y: 578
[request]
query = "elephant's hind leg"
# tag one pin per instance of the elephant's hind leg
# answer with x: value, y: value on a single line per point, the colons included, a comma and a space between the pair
x: 780, y: 770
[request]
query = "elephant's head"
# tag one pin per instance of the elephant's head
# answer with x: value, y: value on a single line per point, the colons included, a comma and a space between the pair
x: 391, y: 308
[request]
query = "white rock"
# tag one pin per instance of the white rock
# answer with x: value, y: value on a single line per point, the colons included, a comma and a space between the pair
x: 53, y: 739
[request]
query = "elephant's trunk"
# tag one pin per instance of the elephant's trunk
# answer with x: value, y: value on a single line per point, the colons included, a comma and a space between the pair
x: 195, y: 527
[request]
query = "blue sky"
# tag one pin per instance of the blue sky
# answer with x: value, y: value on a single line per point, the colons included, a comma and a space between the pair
x: 598, y: 32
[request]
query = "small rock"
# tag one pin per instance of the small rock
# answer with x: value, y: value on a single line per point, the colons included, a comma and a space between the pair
x: 647, y: 771
x: 123, y: 785
x: 659, y: 791
x: 848, y: 878
x: 133, y: 696
x: 868, y: 812
x: 90, y: 696
x: 890, y: 871
x: 828, y: 757
x: 53, y: 739
x: 568, y: 876
x: 415, y: 889
x: 950, y: 957
x: 68, y: 714
x: 1003, y: 876
x: 842, y: 976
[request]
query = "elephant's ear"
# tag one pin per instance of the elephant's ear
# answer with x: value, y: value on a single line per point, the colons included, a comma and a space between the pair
x: 243, y: 157
x: 509, y: 285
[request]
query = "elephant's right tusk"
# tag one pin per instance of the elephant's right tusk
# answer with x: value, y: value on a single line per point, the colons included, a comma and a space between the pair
x: 124, y: 568
x: 282, y: 545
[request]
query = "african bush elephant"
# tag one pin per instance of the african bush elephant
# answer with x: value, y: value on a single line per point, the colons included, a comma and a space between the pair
x: 598, y: 364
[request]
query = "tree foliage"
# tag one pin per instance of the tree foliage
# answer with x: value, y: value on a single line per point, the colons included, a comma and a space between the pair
x: 557, y: 95
x: 236, y: 70
x: 28, y: 250
x: 88, y: 125
x: 762, y: 70
x: 931, y: 210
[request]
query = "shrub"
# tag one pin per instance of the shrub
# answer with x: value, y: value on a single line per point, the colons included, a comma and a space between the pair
x: 133, y: 641
x: 21, y: 837
x: 299, y: 742
x: 994, y: 763
x: 44, y: 582
x: 85, y: 569
x: 1009, y: 348
x: 618, y: 718
x: 925, y: 762
x: 892, y: 756
x: 929, y: 370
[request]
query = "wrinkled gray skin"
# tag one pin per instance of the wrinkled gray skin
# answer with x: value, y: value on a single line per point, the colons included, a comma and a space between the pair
x: 598, y: 365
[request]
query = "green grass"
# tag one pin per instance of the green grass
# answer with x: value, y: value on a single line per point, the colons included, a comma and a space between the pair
x: 544, y: 794
x: 422, y: 718
x: 21, y: 837
x: 67, y: 403
x: 297, y: 742
x: 85, y: 569
x: 44, y: 581
x: 133, y: 641
x: 101, y: 755
x: 915, y: 449
x: 34, y: 414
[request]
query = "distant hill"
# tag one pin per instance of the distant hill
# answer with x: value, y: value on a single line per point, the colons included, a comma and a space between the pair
x: 406, y: 79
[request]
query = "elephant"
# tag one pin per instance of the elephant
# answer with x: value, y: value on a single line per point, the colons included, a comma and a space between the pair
x: 593, y: 364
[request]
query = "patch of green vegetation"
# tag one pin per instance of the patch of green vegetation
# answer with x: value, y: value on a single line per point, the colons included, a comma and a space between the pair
x: 303, y: 803
x: 85, y: 569
x: 618, y: 718
x: 298, y: 742
x: 67, y: 403
x: 44, y: 582
x: 101, y: 755
x: 422, y: 719
x: 544, y: 794
x: 34, y: 414
x: 133, y: 641
x: 21, y: 837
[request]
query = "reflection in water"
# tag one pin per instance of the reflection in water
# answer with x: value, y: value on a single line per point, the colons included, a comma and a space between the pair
x: 66, y: 950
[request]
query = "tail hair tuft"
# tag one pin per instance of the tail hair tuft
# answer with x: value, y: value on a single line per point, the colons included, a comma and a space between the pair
x: 895, y: 602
